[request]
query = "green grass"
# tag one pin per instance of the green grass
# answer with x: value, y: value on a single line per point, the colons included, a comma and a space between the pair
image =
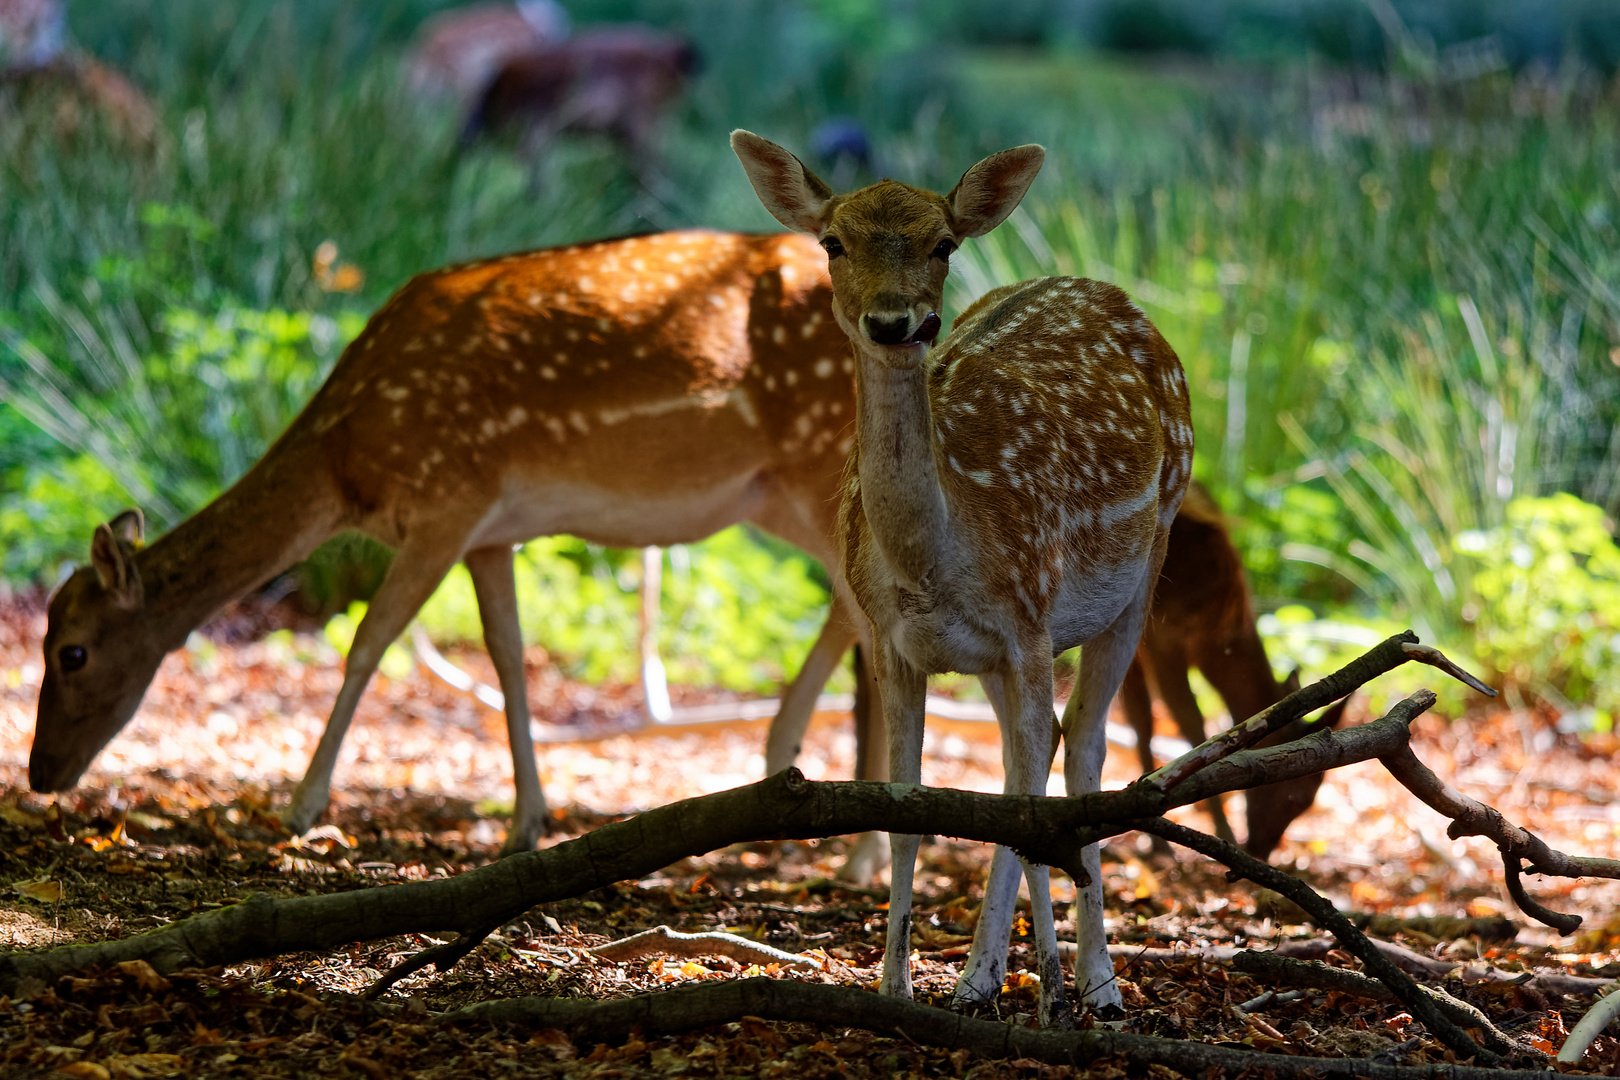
x: 1397, y: 307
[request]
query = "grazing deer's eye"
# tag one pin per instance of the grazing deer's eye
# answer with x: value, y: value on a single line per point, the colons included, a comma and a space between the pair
x: 72, y: 657
x: 943, y: 249
x: 832, y: 247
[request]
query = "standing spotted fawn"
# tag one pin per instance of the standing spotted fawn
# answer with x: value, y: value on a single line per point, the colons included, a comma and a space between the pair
x: 1009, y: 496
x: 631, y: 392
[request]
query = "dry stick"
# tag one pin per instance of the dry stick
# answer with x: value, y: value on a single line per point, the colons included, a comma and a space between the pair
x: 1415, y: 964
x: 686, y: 1008
x: 661, y: 940
x: 1383, y: 657
x: 1317, y: 975
x: 1597, y: 1018
x: 1325, y: 915
x: 1473, y: 818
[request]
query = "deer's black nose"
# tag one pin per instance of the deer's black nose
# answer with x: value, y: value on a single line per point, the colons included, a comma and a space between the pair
x: 888, y: 329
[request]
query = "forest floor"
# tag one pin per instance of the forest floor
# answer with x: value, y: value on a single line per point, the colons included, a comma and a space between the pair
x: 176, y: 816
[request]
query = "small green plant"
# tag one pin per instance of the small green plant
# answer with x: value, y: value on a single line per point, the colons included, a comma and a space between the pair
x: 1545, y: 610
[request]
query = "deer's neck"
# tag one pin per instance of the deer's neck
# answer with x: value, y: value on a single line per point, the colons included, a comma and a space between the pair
x: 272, y: 517
x: 901, y: 495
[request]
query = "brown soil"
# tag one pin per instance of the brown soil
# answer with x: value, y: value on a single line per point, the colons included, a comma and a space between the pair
x: 177, y: 816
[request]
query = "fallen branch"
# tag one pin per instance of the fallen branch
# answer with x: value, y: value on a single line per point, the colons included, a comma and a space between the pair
x: 1597, y: 1018
x: 1325, y: 915
x: 781, y: 807
x: 1473, y: 818
x: 1483, y: 975
x: 1318, y: 976
x: 688, y: 1008
x: 1384, y: 657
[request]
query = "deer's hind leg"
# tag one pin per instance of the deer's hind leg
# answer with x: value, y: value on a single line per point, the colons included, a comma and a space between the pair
x: 1103, y: 662
x: 496, y: 588
x: 1023, y: 704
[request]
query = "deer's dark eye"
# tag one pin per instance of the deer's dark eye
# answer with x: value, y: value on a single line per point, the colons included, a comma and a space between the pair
x: 72, y: 657
x: 832, y: 247
x: 943, y: 249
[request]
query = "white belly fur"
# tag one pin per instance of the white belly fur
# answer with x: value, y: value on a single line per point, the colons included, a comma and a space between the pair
x: 616, y: 518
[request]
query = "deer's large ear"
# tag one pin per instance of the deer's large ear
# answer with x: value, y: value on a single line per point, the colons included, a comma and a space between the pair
x: 112, y: 555
x: 992, y: 189
x: 793, y: 194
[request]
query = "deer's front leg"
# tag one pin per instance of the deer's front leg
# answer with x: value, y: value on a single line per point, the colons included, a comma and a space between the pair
x: 417, y: 569
x: 903, y: 689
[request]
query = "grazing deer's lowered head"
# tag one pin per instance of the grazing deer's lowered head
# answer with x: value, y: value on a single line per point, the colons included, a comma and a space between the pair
x: 1010, y: 494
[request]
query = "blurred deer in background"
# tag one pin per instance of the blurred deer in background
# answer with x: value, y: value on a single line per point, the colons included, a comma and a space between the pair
x: 1009, y: 496
x: 631, y: 392
x: 458, y: 51
x: 615, y: 80
x: 36, y: 57
x: 1202, y: 618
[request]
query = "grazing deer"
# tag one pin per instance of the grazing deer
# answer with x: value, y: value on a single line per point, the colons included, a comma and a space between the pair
x: 641, y: 391
x: 614, y: 81
x: 36, y: 56
x: 1009, y: 496
x: 457, y: 52
x: 1202, y: 617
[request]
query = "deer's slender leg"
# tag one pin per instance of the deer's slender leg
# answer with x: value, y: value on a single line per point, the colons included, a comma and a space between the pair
x: 1103, y: 663
x: 416, y: 571
x: 1138, y: 704
x: 1170, y: 667
x: 986, y: 966
x: 904, y: 689
x: 496, y: 589
x: 786, y: 737
x: 1023, y: 704
x: 868, y: 855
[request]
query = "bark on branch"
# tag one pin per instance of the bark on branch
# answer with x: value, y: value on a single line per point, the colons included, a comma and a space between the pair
x: 687, y: 1008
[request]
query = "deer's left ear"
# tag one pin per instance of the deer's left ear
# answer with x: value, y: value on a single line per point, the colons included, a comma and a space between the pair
x: 112, y: 555
x: 993, y: 188
x: 793, y: 194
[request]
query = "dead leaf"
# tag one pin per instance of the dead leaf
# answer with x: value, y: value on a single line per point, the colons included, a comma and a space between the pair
x: 145, y: 975
x: 45, y: 892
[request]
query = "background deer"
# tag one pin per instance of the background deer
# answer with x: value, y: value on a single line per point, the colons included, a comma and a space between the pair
x: 457, y: 51
x: 1202, y: 617
x: 1009, y: 496
x: 641, y: 391
x: 613, y: 80
x: 38, y: 59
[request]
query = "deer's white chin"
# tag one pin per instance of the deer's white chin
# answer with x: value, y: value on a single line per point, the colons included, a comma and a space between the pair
x: 906, y: 355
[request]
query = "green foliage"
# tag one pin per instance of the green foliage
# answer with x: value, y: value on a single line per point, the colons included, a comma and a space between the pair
x: 1396, y: 310
x: 166, y: 431
x: 734, y: 613
x: 1545, y: 607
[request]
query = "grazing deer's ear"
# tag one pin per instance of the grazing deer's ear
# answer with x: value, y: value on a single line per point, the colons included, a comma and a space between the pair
x: 129, y: 526
x: 992, y: 189
x: 112, y: 555
x: 793, y: 194
x: 1291, y: 682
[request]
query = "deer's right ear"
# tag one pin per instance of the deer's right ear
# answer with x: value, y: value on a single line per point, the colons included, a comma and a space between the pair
x: 113, y: 558
x: 793, y: 194
x: 993, y: 188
